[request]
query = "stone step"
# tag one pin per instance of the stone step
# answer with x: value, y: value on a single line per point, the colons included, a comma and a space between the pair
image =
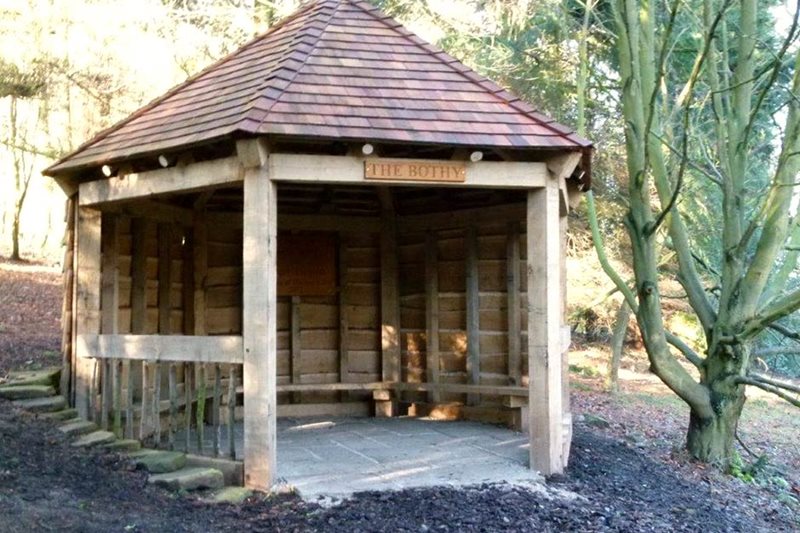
x: 64, y: 414
x: 124, y: 445
x: 194, y: 478
x: 77, y: 427
x: 96, y: 438
x: 45, y: 376
x: 158, y: 461
x: 49, y: 404
x: 26, y: 392
x: 232, y: 495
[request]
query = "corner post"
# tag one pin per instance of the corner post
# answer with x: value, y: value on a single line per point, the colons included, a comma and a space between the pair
x: 87, y: 299
x: 546, y: 227
x: 259, y: 315
x: 544, y: 330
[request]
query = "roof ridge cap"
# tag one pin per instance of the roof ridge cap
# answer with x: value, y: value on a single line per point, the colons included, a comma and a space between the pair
x: 102, y: 134
x: 285, y: 56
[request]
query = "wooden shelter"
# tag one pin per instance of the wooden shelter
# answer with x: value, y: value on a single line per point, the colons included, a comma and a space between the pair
x: 336, y: 219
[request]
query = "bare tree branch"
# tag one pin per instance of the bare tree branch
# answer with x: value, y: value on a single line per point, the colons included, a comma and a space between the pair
x: 769, y: 388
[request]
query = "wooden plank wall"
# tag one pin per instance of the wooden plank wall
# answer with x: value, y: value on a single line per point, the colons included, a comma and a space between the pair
x: 309, y: 328
x: 492, y: 329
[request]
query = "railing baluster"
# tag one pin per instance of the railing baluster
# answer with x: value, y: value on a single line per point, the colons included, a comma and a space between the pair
x: 173, y: 404
x: 143, y: 414
x: 187, y: 393
x: 117, y: 394
x: 216, y: 406
x: 128, y: 367
x: 105, y: 400
x: 201, y: 406
x: 231, y: 411
x: 157, y: 403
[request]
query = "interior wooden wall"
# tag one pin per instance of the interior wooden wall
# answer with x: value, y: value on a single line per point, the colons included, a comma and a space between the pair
x: 331, y: 339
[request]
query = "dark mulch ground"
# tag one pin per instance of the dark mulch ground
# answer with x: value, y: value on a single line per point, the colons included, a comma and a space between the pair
x: 622, y: 483
x: 46, y: 485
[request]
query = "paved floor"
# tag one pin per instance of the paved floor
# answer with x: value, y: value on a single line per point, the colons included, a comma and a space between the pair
x: 335, y: 457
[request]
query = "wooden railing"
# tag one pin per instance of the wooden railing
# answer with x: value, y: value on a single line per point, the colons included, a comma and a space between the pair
x: 127, y: 393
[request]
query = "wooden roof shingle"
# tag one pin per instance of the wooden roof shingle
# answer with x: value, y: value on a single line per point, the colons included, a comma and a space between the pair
x: 336, y: 69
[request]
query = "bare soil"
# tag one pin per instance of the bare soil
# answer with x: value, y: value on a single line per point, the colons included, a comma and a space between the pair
x: 627, y: 472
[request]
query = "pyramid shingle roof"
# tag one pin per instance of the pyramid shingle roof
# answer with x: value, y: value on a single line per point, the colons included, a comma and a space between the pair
x: 336, y: 69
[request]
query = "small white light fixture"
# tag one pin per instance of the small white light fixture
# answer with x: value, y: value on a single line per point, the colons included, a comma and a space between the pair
x: 476, y: 156
x: 107, y: 171
x: 367, y: 149
x: 165, y: 161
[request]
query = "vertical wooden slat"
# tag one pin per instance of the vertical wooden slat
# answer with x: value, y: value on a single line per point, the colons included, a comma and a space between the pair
x: 109, y: 305
x: 514, y: 312
x: 344, y: 320
x: 138, y: 315
x: 216, y: 404
x: 87, y: 300
x: 164, y: 311
x: 390, y: 300
x: 544, y: 329
x: 259, y: 329
x: 232, y: 412
x: 294, y: 341
x: 173, y: 404
x: 200, y: 271
x: 187, y: 295
x: 432, y: 311
x: 473, y: 314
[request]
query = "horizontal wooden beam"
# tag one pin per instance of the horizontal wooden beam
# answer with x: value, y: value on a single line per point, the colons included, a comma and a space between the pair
x: 180, y: 179
x: 350, y: 170
x: 176, y: 348
x: 460, y: 218
x: 155, y: 211
x: 458, y: 388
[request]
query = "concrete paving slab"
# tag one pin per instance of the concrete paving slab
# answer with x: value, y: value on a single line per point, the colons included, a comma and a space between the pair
x: 333, y: 458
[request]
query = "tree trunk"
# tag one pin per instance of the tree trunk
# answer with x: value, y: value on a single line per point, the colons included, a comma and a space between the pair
x: 711, y: 439
x: 618, y: 344
x: 15, y: 236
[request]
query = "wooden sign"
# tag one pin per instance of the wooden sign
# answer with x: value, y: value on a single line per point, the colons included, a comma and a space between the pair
x: 407, y: 170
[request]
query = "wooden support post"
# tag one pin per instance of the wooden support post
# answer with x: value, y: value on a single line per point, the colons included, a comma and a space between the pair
x: 87, y: 298
x: 259, y: 313
x: 432, y: 312
x: 514, y: 311
x: 200, y: 275
x: 473, y: 314
x: 138, y: 316
x: 164, y: 312
x: 544, y: 330
x: 109, y: 305
x: 68, y: 310
x: 390, y: 301
x: 344, y: 319
x: 296, y: 353
x: 187, y: 296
